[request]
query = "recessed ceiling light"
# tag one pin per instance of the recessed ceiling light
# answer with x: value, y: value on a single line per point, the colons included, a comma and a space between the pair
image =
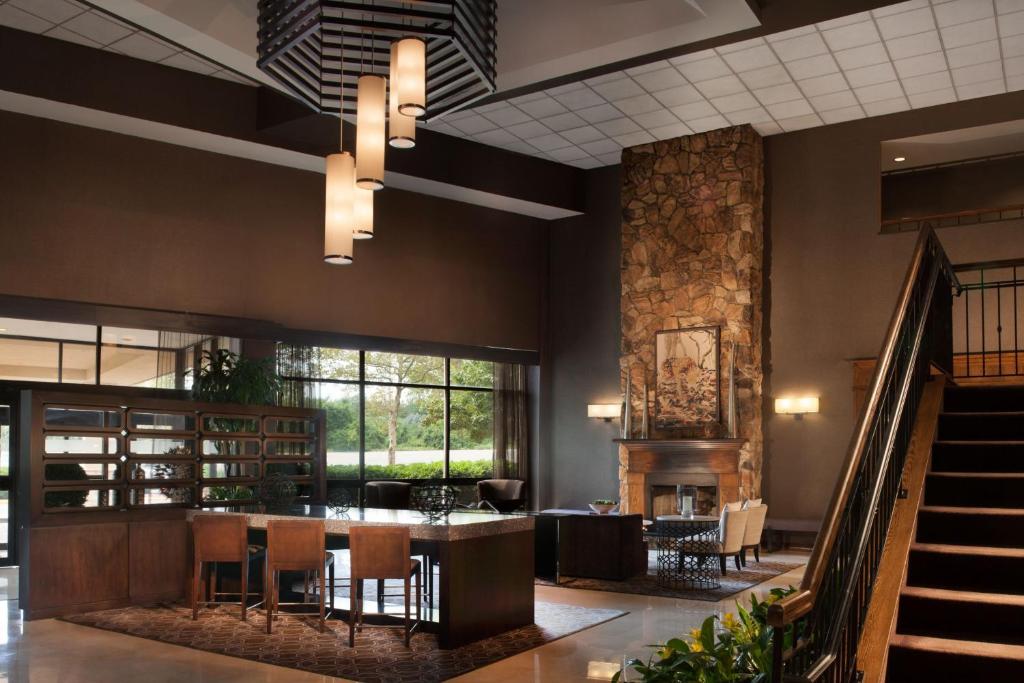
x: 899, y: 159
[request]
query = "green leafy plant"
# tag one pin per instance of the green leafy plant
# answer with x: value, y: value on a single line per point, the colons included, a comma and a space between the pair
x: 605, y: 501
x: 458, y: 469
x: 726, y: 649
x: 226, y: 377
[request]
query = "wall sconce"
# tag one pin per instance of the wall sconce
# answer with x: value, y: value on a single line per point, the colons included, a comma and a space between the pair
x: 797, y: 406
x: 605, y: 411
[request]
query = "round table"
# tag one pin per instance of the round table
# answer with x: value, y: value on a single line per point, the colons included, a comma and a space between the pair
x: 687, y: 550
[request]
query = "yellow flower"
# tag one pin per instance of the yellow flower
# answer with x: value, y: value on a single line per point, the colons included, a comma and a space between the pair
x: 696, y: 647
x: 695, y: 633
x: 729, y: 621
x: 665, y: 653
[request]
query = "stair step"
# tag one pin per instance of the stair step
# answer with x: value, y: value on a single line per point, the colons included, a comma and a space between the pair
x: 984, y: 569
x: 977, y: 526
x: 978, y: 456
x: 975, y: 489
x: 937, y: 660
x: 985, y: 426
x: 961, y: 615
x: 990, y: 398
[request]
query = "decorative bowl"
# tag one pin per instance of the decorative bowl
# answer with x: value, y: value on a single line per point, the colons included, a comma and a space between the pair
x: 339, y: 500
x: 277, y: 492
x: 603, y: 508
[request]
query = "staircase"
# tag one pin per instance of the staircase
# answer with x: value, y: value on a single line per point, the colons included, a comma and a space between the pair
x: 961, y: 610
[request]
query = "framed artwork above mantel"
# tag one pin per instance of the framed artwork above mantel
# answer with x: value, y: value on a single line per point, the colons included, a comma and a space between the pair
x: 687, y: 396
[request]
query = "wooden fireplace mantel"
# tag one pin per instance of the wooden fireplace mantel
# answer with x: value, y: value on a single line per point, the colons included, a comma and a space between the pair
x: 717, y: 459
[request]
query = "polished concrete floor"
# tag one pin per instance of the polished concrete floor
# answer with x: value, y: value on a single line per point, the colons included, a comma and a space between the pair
x: 50, y: 651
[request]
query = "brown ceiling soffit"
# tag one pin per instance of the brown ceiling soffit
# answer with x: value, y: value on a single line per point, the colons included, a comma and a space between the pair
x: 65, y: 72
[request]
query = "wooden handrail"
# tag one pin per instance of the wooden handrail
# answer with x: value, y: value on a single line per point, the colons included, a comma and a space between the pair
x: 791, y: 608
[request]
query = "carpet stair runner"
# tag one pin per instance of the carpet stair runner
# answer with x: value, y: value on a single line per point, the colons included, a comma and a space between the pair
x: 961, y: 612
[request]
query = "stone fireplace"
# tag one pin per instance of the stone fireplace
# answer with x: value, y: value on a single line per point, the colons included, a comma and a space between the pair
x: 650, y: 469
x: 662, y: 499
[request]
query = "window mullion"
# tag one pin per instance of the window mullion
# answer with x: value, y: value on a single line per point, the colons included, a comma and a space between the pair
x: 447, y: 417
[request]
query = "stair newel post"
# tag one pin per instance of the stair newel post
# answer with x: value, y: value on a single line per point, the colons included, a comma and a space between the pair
x: 778, y: 644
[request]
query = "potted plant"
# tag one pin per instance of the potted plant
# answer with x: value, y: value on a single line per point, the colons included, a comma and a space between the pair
x: 603, y: 506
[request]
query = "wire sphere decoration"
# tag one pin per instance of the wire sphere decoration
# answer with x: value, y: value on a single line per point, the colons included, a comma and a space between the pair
x: 434, y: 502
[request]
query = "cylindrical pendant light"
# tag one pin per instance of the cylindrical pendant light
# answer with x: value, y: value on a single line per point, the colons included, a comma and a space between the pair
x: 338, y: 205
x: 362, y: 213
x: 371, y: 109
x: 401, y: 128
x: 412, y: 76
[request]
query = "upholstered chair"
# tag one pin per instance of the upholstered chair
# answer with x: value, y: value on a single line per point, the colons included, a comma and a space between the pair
x: 731, y: 532
x: 752, y: 535
x: 501, y: 495
x: 390, y: 495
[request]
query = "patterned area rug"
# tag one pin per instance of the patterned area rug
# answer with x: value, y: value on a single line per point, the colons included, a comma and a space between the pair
x: 732, y: 583
x: 380, y: 656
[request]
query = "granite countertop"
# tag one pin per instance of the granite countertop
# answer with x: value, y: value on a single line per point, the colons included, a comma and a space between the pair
x: 457, y: 526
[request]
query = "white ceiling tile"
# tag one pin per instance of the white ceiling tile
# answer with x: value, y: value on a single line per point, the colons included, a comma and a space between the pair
x: 869, y: 75
x: 602, y: 112
x: 977, y: 73
x: 932, y: 98
x: 1011, y: 24
x: 791, y: 109
x: 865, y: 55
x: 507, y: 116
x: 545, y: 106
x: 911, y: 46
x: 752, y: 115
x: 183, y: 60
x: 1013, y: 66
x: 582, y: 134
x: 883, y: 107
x: 638, y: 104
x: 61, y: 33
x: 446, y: 128
x: 906, y: 24
x: 766, y: 128
x: 823, y: 85
x: 610, y: 159
x: 662, y: 79
x: 484, y: 108
x: 694, y: 110
x: 674, y: 130
x: 719, y: 87
x: 21, y: 20
x: 565, y: 154
x: 497, y: 137
x: 879, y: 92
x: 141, y: 46
x: 813, y: 66
x: 973, y: 54
x: 546, y: 143
x: 778, y: 93
x: 617, y: 90
x: 707, y: 123
x: 460, y: 114
x: 684, y: 94
x: 55, y: 11
x: 605, y: 78
x: 751, y: 58
x: 730, y: 103
x: 97, y: 27
x: 740, y: 46
x: 619, y: 126
x: 473, y: 124
x: 836, y: 100
x: 800, y: 122
x: 1015, y: 82
x: 899, y: 8
x: 641, y: 137
x: 844, y: 21
x: 601, y: 146
x: 580, y: 98
x: 1008, y: 6
x: 226, y: 75
x: 791, y: 33
x: 967, y: 34
x: 983, y: 89
x: 562, y: 89
x: 1013, y: 46
x: 560, y: 122
x: 646, y: 68
x: 704, y: 69
x: 920, y: 84
x: 528, y: 130
x: 807, y: 45
x: 853, y: 35
x: 528, y: 97
x: 762, y: 78
x: 586, y: 162
x: 844, y: 114
x: 922, y: 64
x: 962, y: 11
x: 655, y: 119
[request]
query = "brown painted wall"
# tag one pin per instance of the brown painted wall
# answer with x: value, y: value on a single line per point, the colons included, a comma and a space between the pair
x: 834, y: 280
x: 94, y: 216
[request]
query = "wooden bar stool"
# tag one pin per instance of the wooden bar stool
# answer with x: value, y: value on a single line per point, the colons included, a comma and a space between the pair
x: 215, y: 539
x: 294, y: 545
x: 380, y: 552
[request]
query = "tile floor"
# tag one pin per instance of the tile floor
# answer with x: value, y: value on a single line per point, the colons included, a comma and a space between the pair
x: 50, y: 651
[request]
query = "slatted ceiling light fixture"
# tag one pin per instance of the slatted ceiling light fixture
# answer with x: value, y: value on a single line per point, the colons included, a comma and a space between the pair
x: 338, y: 208
x: 371, y: 113
x: 411, y: 76
x: 401, y: 128
x: 362, y: 213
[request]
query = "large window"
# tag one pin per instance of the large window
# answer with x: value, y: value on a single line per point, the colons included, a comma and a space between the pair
x: 400, y: 416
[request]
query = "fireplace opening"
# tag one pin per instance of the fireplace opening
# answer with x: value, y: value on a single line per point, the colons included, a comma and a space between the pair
x: 663, y: 501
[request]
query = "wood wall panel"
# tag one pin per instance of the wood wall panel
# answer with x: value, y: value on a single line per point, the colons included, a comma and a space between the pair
x: 158, y: 554
x: 78, y: 565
